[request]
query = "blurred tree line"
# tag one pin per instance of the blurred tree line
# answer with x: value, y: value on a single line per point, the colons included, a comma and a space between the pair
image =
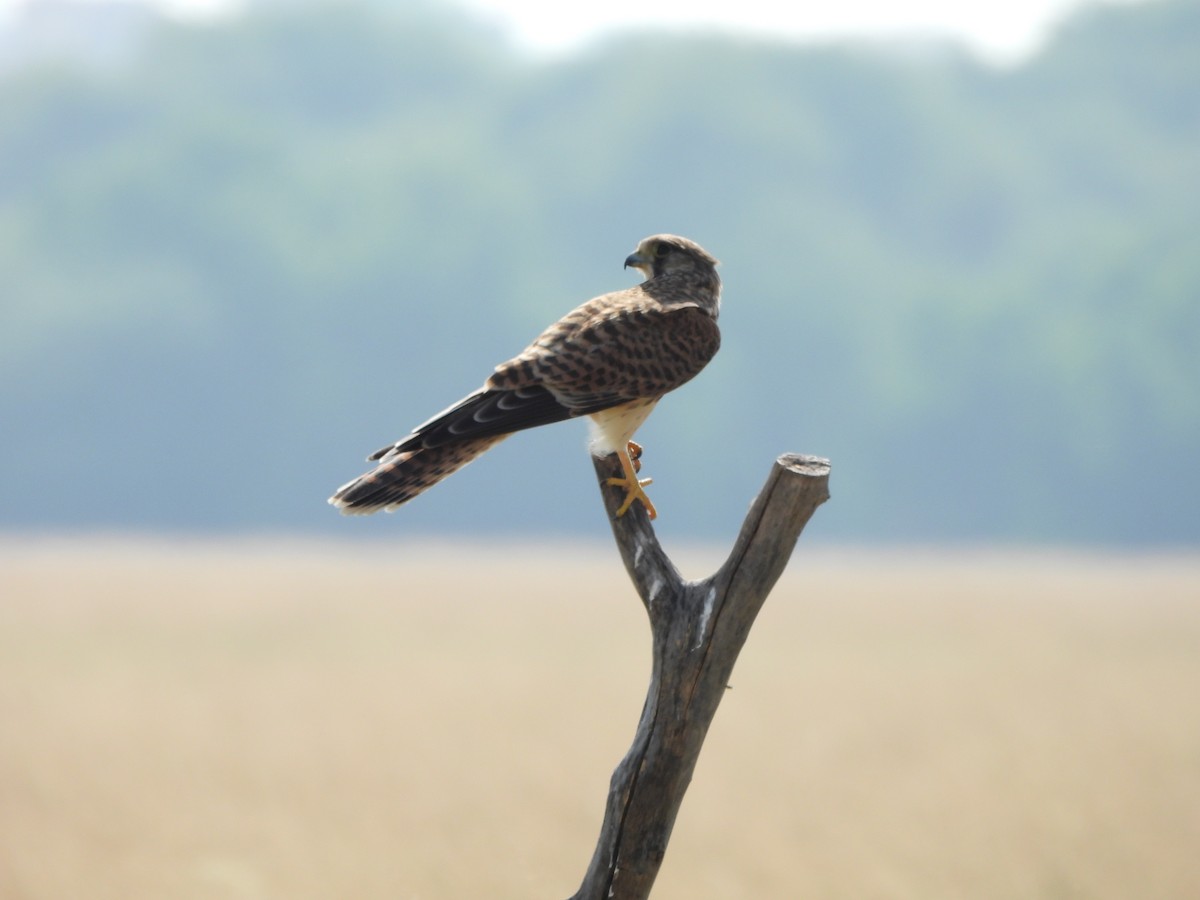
x: 251, y: 253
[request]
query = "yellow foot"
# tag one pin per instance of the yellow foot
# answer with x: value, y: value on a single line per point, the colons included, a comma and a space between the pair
x: 633, y: 491
x: 632, y: 484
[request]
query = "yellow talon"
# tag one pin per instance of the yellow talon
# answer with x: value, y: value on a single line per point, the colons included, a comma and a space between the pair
x: 635, y: 455
x: 632, y: 484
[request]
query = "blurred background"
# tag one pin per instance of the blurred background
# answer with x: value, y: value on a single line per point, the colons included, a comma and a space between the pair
x: 244, y: 244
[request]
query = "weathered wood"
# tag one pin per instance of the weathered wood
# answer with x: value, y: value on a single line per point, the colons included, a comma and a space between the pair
x: 697, y: 628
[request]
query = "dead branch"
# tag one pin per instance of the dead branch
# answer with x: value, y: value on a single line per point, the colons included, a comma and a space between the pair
x: 698, y: 629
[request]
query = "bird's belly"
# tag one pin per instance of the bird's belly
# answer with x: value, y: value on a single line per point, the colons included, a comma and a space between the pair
x: 613, y: 428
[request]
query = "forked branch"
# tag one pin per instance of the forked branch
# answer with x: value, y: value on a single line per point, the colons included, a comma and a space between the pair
x: 698, y: 629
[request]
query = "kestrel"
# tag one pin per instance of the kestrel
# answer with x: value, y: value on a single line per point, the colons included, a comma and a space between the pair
x: 611, y: 359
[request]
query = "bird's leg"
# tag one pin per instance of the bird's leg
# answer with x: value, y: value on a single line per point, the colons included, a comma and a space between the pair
x: 635, y: 455
x: 633, y: 486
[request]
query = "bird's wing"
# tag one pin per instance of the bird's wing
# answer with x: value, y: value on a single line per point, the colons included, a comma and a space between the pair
x: 626, y: 354
x: 595, y: 358
x: 486, y: 413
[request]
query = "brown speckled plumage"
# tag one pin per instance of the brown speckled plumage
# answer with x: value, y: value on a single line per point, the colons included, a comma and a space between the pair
x: 610, y: 359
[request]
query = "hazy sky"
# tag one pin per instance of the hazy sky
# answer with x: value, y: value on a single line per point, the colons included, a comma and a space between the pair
x: 1001, y: 30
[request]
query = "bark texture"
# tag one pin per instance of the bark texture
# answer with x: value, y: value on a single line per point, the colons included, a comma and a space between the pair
x: 698, y: 629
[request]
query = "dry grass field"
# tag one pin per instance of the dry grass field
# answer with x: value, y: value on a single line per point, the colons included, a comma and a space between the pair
x: 316, y: 721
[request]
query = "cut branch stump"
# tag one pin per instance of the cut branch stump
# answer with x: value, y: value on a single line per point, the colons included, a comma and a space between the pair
x: 698, y: 629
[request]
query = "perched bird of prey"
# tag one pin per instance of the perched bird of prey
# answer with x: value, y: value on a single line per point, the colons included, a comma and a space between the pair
x: 611, y: 359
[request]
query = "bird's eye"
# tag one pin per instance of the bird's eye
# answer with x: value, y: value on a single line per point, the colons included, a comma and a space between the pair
x: 661, y: 250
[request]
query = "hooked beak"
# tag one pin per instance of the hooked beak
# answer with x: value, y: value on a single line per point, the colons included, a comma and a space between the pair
x: 636, y: 261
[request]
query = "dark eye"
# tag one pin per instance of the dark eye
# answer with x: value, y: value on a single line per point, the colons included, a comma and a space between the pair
x: 661, y: 250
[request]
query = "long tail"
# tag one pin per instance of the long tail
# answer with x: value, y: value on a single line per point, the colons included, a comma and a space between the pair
x: 401, y: 476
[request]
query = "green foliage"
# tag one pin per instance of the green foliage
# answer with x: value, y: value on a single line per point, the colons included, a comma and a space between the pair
x: 262, y: 249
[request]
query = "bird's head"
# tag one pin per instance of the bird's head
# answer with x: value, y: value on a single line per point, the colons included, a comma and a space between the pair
x: 669, y: 254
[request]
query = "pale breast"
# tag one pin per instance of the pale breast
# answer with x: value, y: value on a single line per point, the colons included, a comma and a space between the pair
x: 613, y: 428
